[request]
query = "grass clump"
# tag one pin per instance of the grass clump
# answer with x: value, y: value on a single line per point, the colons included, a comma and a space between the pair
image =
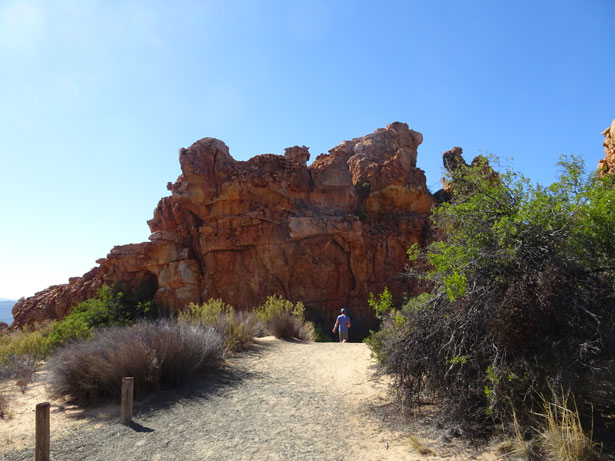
x: 20, y: 353
x: 561, y: 435
x: 420, y: 448
x: 159, y: 354
x: 283, y: 319
x: 4, y: 406
x: 237, y: 328
x: 25, y: 343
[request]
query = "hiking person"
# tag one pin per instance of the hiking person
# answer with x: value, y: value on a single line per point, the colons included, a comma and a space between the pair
x: 343, y: 322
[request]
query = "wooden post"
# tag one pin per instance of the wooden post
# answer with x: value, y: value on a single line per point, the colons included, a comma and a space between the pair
x: 126, y: 406
x: 41, y: 449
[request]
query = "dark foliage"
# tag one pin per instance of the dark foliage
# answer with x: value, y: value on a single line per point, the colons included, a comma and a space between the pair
x: 522, y: 296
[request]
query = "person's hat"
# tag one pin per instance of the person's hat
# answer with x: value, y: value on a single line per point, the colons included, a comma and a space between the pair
x: 343, y: 310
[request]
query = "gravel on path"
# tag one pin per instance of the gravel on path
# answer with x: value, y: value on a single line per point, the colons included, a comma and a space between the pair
x: 279, y: 401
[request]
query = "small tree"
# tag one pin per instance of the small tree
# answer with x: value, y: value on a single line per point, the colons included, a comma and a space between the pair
x: 522, y: 281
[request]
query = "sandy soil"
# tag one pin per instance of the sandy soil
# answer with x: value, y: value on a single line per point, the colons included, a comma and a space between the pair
x: 282, y: 400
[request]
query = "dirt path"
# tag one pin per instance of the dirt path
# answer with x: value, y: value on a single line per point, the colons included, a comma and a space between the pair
x: 283, y: 400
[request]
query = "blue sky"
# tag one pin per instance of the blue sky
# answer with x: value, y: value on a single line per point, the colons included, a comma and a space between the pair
x: 96, y: 98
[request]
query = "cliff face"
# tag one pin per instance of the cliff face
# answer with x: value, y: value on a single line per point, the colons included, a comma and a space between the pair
x: 326, y: 234
x: 607, y: 164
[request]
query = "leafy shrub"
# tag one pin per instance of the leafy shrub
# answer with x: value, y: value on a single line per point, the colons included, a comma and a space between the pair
x: 237, y: 328
x: 157, y: 354
x: 283, y: 319
x: 110, y: 307
x: 522, y: 289
x: 208, y: 313
x: 20, y: 352
x: 23, y: 343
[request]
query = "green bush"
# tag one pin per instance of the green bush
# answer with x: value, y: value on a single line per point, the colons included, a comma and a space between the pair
x: 283, y: 319
x: 522, y: 288
x: 24, y: 343
x: 237, y: 328
x: 276, y: 306
x: 21, y: 352
x: 110, y: 307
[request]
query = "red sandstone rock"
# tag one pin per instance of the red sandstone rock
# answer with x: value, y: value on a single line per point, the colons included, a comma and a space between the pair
x: 607, y: 164
x: 326, y: 235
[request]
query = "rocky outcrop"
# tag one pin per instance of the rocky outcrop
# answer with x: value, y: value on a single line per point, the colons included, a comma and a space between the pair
x: 327, y: 234
x: 607, y: 164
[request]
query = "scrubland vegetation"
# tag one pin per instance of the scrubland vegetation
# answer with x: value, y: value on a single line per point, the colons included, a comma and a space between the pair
x: 157, y: 354
x: 515, y: 327
x: 115, y: 335
x: 519, y: 289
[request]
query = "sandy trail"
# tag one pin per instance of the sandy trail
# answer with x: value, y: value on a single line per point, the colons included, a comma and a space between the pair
x: 282, y: 400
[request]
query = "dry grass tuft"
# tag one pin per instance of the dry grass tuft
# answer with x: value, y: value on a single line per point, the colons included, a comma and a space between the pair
x: 286, y: 326
x: 561, y: 435
x: 4, y: 406
x: 420, y: 448
x: 238, y: 328
x: 19, y: 367
x: 157, y: 354
x: 515, y: 446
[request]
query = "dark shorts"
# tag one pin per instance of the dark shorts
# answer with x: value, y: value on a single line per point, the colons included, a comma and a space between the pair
x: 343, y: 335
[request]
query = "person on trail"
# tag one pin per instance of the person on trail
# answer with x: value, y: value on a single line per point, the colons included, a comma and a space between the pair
x: 343, y: 322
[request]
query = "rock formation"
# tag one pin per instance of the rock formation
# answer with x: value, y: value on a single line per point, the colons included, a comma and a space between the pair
x: 325, y: 234
x: 607, y: 164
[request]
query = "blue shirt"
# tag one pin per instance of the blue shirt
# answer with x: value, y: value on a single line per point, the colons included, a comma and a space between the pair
x: 343, y: 322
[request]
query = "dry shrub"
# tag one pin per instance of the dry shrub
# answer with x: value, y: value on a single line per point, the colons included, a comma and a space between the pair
x: 562, y: 437
x: 420, y: 448
x: 515, y: 446
x: 521, y: 298
x: 19, y: 367
x: 157, y: 354
x: 236, y: 327
x: 24, y: 343
x: 239, y: 330
x: 4, y: 405
x: 285, y: 326
x: 284, y: 320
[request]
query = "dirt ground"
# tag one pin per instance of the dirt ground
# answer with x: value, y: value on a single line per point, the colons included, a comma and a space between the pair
x: 281, y: 400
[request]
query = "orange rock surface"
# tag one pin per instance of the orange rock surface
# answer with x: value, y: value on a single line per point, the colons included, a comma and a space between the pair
x: 327, y: 234
x: 607, y: 164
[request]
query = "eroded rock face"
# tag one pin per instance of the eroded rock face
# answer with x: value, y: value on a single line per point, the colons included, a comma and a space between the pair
x: 327, y: 234
x: 607, y: 164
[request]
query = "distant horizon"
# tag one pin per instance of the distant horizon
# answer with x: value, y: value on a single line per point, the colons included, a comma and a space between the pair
x: 6, y: 307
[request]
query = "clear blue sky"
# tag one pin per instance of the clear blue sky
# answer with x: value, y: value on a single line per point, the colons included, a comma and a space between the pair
x: 96, y: 98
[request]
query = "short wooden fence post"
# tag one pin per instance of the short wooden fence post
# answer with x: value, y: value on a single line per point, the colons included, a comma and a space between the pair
x: 126, y: 406
x: 41, y: 449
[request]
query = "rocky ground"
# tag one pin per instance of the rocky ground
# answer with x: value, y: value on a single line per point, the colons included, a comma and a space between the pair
x: 282, y: 400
